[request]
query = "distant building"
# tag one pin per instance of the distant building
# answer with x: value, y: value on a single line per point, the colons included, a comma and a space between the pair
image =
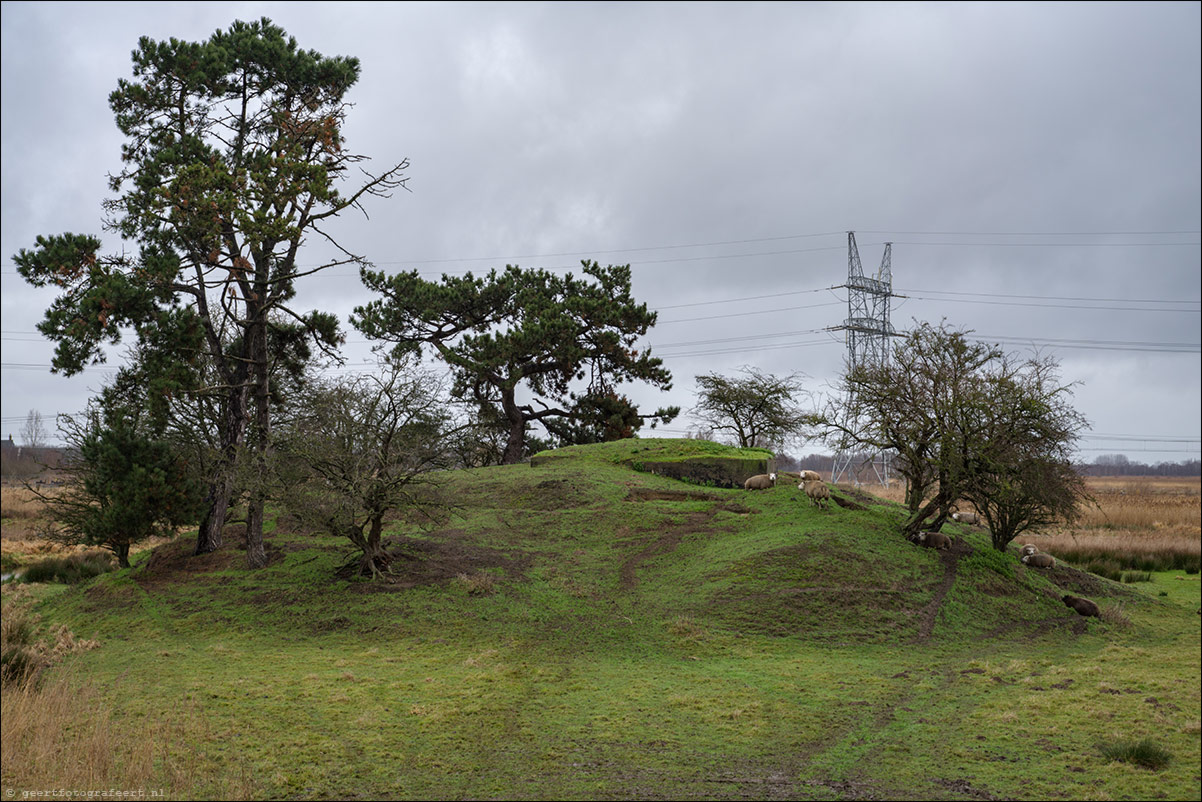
x: 22, y: 462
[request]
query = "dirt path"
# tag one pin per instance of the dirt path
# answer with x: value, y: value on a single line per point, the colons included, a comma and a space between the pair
x: 951, y: 558
x: 666, y: 542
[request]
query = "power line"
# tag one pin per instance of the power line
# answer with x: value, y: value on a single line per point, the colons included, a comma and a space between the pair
x: 748, y: 298
x: 1104, y: 345
x: 1055, y: 306
x: 1047, y: 244
x: 692, y: 343
x: 1141, y: 437
x: 1038, y: 233
x: 1148, y: 450
x: 749, y: 350
x: 744, y: 314
x: 1058, y: 297
x: 810, y: 235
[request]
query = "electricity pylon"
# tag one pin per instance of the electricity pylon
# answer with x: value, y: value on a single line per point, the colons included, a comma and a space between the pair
x: 868, y: 332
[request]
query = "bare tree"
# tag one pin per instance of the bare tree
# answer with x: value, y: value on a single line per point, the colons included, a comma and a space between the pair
x: 33, y: 433
x: 364, y: 448
x: 908, y: 405
x: 1019, y: 472
x: 966, y: 421
x: 759, y: 409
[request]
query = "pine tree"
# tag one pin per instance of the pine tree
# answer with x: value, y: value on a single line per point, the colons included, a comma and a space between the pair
x: 233, y: 156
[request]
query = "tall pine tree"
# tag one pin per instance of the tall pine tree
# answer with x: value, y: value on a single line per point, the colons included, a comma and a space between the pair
x: 234, y: 154
x: 532, y: 332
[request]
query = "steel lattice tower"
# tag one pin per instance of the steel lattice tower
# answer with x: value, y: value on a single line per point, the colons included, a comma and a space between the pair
x: 868, y: 332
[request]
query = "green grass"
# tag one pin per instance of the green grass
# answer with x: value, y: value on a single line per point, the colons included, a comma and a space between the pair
x: 656, y: 450
x: 1179, y: 587
x: 1114, y: 564
x: 69, y: 570
x: 637, y: 637
x: 1146, y: 753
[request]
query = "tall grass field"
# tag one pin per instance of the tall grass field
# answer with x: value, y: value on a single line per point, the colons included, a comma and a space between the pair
x: 584, y: 630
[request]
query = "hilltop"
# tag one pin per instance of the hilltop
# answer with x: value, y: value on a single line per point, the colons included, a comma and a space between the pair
x: 583, y: 524
x: 581, y: 628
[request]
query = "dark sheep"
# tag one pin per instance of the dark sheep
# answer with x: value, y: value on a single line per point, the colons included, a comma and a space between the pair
x: 934, y: 540
x: 1082, y: 606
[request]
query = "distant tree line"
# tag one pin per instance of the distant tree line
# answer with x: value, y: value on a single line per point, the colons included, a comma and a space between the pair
x: 1120, y: 465
x: 1102, y: 466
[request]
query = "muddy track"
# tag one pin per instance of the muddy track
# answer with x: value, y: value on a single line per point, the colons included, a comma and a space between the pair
x: 951, y: 558
x: 858, y: 784
x: 666, y: 542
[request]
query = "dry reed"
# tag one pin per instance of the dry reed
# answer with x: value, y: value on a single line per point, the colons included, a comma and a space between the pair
x: 63, y: 734
x: 57, y: 732
x: 18, y: 503
x: 1138, y: 522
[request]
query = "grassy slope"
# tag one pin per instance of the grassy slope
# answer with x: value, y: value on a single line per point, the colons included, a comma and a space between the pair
x: 645, y: 638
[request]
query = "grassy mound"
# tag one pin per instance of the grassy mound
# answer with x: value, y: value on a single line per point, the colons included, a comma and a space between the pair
x: 698, y: 462
x: 577, y: 628
x: 569, y: 541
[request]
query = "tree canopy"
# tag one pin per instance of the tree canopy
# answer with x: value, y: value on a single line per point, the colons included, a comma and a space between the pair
x: 758, y: 409
x: 527, y: 331
x: 124, y: 481
x: 965, y: 421
x: 233, y: 157
x: 360, y: 448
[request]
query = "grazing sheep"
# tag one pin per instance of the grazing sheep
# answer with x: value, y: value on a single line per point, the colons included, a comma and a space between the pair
x: 1039, y: 560
x: 1083, y: 606
x: 933, y: 540
x: 1029, y: 548
x: 966, y: 517
x: 761, y: 481
x: 817, y: 492
x: 811, y: 476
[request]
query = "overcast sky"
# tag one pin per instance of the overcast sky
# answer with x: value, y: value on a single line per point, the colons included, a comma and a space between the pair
x: 1036, y: 166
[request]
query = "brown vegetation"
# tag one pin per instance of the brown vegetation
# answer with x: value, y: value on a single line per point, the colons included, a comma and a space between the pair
x: 64, y: 734
x: 21, y: 541
x: 18, y: 503
x: 1137, y: 521
x: 59, y: 732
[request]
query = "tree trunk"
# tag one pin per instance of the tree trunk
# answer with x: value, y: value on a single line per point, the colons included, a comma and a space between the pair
x: 917, y: 521
x: 221, y: 486
x: 375, y: 560
x: 517, y: 429
x: 208, y: 538
x: 256, y: 555
x: 122, y: 552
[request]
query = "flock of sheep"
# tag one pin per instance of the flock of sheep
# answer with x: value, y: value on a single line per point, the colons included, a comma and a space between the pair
x: 811, y: 484
x: 819, y: 494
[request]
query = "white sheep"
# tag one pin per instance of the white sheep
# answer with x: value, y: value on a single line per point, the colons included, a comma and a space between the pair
x: 817, y: 492
x: 966, y: 517
x: 811, y: 476
x: 761, y: 481
x: 1029, y: 548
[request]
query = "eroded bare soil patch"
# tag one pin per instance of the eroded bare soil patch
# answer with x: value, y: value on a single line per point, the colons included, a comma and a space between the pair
x: 440, y: 557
